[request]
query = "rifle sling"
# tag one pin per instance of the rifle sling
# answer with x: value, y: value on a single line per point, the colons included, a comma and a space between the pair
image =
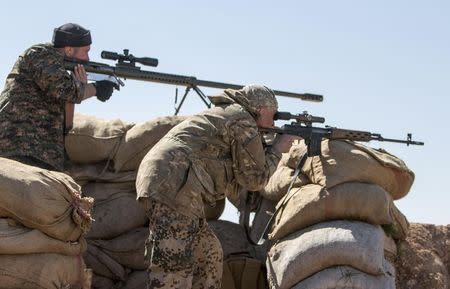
x: 282, y: 202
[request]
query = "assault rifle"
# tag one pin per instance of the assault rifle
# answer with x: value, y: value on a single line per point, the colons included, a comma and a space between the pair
x: 126, y: 68
x: 313, y: 137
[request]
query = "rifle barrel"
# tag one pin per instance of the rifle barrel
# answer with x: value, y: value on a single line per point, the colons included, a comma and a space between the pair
x: 302, y: 96
x: 172, y: 79
x: 407, y: 142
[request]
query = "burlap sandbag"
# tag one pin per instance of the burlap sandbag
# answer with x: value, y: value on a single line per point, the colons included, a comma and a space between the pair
x: 98, y: 172
x: 136, y: 280
x: 127, y: 249
x: 45, y: 200
x: 102, y: 264
x: 231, y: 236
x: 280, y: 181
x: 93, y: 139
x: 140, y: 139
x: 116, y: 210
x: 41, y: 271
x: 303, y: 253
x: 16, y: 239
x: 345, y: 161
x: 345, y: 277
x: 399, y: 228
x: 101, y: 191
x: 390, y: 248
x: 312, y: 204
x: 100, y: 282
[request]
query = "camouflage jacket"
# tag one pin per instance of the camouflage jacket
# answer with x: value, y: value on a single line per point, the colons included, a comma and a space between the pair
x: 208, y: 156
x: 32, y: 106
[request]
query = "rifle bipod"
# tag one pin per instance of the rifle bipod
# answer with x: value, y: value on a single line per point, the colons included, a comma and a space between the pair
x: 200, y: 94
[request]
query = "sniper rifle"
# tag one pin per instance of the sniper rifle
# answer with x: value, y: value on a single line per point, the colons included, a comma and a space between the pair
x: 126, y: 68
x: 313, y: 137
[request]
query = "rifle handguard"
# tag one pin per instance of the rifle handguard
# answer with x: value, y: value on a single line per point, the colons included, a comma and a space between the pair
x: 354, y: 135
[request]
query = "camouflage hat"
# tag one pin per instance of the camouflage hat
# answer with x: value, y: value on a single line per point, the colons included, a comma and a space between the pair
x: 251, y: 97
x: 260, y: 96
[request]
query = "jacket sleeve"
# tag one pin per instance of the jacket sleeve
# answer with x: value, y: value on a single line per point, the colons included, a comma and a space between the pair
x: 47, y: 71
x: 252, y: 164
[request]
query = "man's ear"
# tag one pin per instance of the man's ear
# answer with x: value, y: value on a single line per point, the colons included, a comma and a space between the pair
x: 68, y: 51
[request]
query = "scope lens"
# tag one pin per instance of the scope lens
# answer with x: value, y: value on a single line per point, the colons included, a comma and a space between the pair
x: 109, y: 55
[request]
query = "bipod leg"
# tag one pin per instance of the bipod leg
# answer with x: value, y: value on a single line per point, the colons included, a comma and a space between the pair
x: 177, y: 109
x: 202, y: 96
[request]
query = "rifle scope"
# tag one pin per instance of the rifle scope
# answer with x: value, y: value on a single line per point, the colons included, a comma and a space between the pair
x: 302, y: 117
x: 130, y: 58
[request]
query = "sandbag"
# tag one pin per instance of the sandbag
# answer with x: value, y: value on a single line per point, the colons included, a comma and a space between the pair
x: 231, y: 236
x: 136, y: 280
x: 41, y: 271
x: 140, y: 139
x: 16, y: 239
x: 93, y: 139
x: 103, y: 265
x: 243, y: 272
x: 312, y: 204
x: 345, y: 277
x: 116, y: 210
x: 100, y: 282
x: 399, y: 228
x: 127, y: 249
x: 279, y: 182
x: 345, y: 161
x: 303, y: 253
x: 390, y: 248
x: 98, y: 172
x: 45, y: 200
x: 101, y: 191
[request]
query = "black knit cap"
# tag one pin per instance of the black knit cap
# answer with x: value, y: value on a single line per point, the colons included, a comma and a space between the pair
x: 72, y: 35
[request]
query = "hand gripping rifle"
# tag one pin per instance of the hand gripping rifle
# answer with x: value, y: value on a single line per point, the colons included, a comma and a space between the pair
x: 313, y: 137
x: 126, y: 68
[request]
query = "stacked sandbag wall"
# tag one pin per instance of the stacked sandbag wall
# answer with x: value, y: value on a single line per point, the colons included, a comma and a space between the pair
x: 338, y: 225
x: 43, y: 222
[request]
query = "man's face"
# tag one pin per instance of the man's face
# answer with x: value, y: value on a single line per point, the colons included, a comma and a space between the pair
x: 80, y: 53
x: 265, y: 118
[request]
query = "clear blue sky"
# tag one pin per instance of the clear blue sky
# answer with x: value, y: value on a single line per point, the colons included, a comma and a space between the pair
x: 382, y: 66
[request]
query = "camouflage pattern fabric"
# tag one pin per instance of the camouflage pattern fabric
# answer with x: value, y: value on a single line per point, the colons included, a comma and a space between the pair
x: 251, y: 97
x: 260, y: 96
x: 208, y: 156
x: 181, y: 252
x: 32, y: 106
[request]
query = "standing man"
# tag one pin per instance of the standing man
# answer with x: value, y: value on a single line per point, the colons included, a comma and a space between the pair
x: 208, y: 156
x: 38, y: 95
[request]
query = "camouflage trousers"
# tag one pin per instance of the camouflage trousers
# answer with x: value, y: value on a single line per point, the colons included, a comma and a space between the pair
x: 181, y: 252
